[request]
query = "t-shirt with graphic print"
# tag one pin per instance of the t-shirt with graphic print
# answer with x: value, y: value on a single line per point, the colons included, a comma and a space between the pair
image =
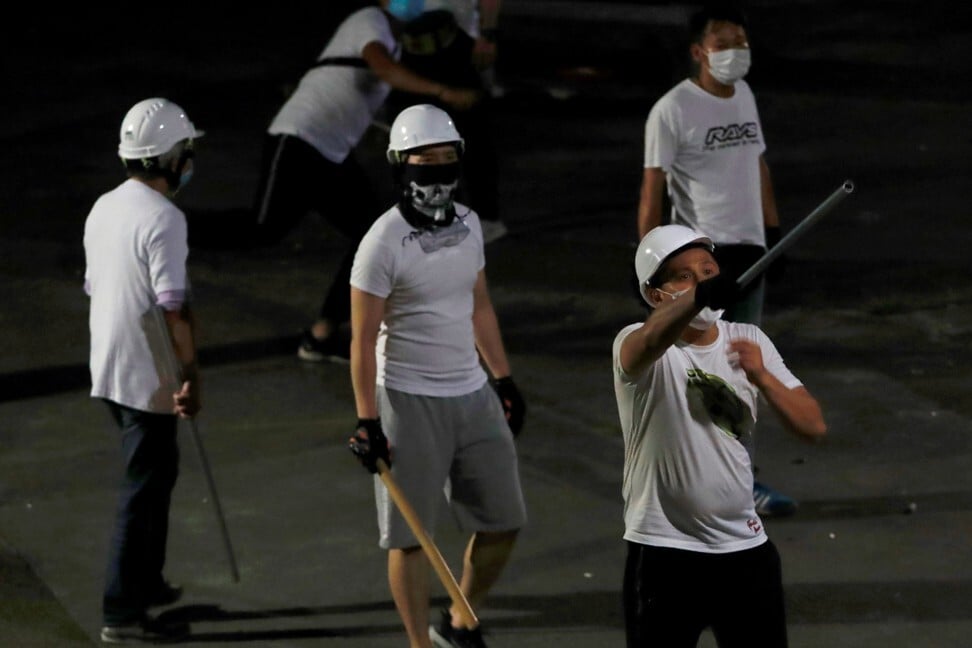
x: 425, y: 343
x: 688, y: 481
x: 709, y: 149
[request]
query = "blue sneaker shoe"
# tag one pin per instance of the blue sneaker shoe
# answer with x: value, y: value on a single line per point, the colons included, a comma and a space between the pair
x: 770, y: 503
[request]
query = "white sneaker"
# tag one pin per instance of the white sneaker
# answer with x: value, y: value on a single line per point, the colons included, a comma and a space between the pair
x: 492, y: 230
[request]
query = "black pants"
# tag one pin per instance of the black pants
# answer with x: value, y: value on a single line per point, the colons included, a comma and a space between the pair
x: 672, y: 595
x: 297, y: 179
x: 435, y: 47
x: 136, y: 554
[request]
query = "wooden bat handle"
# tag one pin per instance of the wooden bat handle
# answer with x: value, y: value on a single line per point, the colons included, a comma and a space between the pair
x: 466, y: 613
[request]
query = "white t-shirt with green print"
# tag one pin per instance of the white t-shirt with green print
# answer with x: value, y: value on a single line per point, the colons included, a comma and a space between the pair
x: 688, y: 481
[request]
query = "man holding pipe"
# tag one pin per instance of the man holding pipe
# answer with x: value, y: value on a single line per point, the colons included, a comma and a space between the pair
x: 687, y: 385
x: 422, y: 325
x: 135, y: 244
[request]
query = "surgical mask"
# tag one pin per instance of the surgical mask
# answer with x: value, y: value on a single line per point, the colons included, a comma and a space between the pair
x: 406, y: 10
x: 704, y: 318
x: 431, y: 189
x: 185, y: 178
x: 730, y: 65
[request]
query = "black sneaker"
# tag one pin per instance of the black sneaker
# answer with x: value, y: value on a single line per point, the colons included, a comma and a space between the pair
x: 445, y: 636
x: 167, y: 594
x: 330, y: 349
x: 145, y: 630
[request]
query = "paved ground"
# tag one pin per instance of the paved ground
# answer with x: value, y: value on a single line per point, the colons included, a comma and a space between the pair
x: 873, y: 314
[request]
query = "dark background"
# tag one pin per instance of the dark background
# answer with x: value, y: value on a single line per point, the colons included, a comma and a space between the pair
x: 873, y: 314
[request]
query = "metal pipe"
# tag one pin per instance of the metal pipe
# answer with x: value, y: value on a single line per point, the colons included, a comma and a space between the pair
x: 787, y: 241
x: 170, y: 357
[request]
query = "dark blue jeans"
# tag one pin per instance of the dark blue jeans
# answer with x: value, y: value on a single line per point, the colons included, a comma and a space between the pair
x: 136, y: 554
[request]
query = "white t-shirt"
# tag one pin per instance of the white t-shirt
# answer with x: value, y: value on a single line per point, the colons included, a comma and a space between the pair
x: 425, y: 344
x: 688, y: 481
x: 135, y: 248
x: 709, y: 148
x: 333, y: 105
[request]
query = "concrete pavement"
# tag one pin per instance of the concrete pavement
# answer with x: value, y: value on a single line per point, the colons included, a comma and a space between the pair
x: 872, y: 314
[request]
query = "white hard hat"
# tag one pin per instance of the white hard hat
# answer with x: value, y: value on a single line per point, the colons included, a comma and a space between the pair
x: 418, y: 126
x: 152, y: 127
x: 659, y: 244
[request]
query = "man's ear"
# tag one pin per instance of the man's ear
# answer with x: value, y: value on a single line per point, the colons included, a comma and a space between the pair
x: 654, y: 297
x: 697, y: 52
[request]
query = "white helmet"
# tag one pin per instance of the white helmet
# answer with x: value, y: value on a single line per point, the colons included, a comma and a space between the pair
x: 659, y: 244
x: 418, y: 126
x: 152, y: 127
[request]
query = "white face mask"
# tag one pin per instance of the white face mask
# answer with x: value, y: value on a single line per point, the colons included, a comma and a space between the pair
x: 705, y: 317
x: 728, y: 66
x: 185, y: 178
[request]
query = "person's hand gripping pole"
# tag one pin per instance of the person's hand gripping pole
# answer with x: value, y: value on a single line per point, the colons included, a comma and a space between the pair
x: 183, y: 398
x: 370, y: 445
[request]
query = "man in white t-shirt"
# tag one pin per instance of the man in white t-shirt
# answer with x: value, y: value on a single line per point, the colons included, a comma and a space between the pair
x: 704, y: 143
x: 135, y: 251
x: 308, y: 163
x: 687, y: 385
x: 422, y: 325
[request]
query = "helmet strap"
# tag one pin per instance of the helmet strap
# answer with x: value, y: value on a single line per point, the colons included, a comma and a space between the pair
x: 142, y: 166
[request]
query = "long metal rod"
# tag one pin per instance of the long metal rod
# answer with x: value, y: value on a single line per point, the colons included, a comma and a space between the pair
x: 787, y: 241
x: 166, y: 339
x: 227, y: 545
x: 431, y: 550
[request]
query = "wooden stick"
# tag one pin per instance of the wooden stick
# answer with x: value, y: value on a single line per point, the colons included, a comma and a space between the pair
x: 466, y: 613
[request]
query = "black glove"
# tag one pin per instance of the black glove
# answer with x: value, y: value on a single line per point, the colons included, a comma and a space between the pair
x: 369, y: 444
x: 513, y: 405
x: 718, y: 292
x: 776, y: 269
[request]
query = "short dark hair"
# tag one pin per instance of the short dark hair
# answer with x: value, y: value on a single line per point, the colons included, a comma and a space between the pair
x: 157, y: 167
x: 714, y: 11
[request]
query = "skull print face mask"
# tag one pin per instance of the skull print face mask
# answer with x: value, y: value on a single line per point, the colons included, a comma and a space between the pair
x: 431, y: 190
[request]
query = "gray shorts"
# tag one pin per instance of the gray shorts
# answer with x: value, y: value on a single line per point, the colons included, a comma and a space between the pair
x: 452, y: 452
